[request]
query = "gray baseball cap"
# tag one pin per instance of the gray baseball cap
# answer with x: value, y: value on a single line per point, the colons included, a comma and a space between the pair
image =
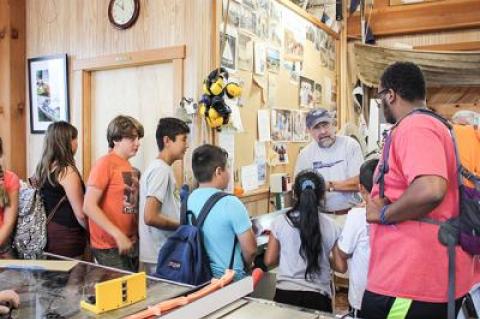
x: 319, y: 115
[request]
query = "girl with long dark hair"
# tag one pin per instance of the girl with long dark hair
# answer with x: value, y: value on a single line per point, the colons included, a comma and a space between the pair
x: 300, y: 243
x: 62, y: 191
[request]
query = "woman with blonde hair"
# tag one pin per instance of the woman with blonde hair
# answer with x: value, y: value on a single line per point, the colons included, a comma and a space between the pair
x: 62, y: 191
x: 9, y: 186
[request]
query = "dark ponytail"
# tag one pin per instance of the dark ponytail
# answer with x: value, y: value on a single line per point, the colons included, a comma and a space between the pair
x: 309, y: 191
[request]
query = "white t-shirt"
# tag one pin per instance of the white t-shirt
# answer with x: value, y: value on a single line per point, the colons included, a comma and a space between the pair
x: 340, y: 161
x: 291, y: 268
x: 354, y: 241
x: 157, y: 181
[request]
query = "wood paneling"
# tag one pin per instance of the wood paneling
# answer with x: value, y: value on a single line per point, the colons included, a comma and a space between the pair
x: 81, y: 29
x: 12, y: 84
x: 420, y: 18
x: 457, y: 46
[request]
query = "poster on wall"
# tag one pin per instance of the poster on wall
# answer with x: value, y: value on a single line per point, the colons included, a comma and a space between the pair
x: 229, y: 52
x: 300, y: 133
x: 305, y: 93
x: 48, y: 91
x: 273, y: 60
x: 317, y: 95
x: 260, y: 58
x: 281, y: 123
x: 245, y: 52
x: 278, y: 154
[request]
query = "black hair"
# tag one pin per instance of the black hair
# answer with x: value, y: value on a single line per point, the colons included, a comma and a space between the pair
x: 205, y: 160
x: 309, y: 191
x: 366, y: 173
x: 406, y: 79
x: 170, y: 127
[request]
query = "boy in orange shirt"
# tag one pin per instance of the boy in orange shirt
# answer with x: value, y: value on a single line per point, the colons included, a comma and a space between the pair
x: 111, y: 200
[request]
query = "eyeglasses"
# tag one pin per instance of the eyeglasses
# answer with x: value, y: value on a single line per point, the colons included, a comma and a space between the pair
x: 378, y: 97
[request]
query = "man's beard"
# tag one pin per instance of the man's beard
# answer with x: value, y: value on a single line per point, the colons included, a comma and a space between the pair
x: 387, y: 113
x: 326, y: 142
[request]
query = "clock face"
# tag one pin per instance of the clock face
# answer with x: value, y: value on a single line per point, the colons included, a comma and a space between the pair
x: 123, y: 13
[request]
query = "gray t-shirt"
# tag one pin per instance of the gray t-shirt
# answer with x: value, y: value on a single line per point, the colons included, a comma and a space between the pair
x: 291, y: 269
x: 157, y: 181
x: 340, y: 161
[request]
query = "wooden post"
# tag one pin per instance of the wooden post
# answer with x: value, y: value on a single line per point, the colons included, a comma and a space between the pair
x: 12, y: 84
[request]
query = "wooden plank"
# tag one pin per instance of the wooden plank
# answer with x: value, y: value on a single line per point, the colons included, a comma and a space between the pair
x: 290, y: 5
x: 420, y: 18
x: 448, y: 110
x: 457, y: 46
x: 129, y: 59
x: 12, y: 84
x: 87, y: 122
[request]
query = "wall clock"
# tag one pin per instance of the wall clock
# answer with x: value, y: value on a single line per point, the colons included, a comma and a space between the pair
x: 123, y: 13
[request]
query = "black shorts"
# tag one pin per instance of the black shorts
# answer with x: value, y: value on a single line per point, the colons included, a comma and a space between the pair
x: 375, y: 306
x: 304, y: 299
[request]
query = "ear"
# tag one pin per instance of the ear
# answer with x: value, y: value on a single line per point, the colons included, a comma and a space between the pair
x: 166, y: 140
x: 391, y: 96
x: 218, y: 171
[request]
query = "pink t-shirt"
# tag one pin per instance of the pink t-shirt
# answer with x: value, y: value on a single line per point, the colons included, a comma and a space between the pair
x: 11, y: 183
x: 407, y: 260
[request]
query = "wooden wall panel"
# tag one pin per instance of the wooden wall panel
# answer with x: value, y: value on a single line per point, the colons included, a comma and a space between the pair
x: 12, y: 84
x: 81, y: 29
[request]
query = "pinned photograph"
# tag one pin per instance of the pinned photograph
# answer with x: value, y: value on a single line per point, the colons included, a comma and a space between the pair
x: 247, y: 22
x: 252, y: 4
x: 275, y: 33
x: 48, y: 90
x: 300, y: 133
x: 273, y: 60
x: 281, y: 122
x: 278, y: 154
x: 294, y: 69
x: 311, y: 33
x: 306, y: 92
x: 229, y: 53
x: 260, y: 58
x: 293, y: 47
x: 234, y: 13
x: 275, y: 11
x: 245, y: 52
x: 261, y: 24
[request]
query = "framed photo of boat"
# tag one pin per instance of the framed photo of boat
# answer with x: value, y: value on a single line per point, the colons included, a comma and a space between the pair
x: 48, y: 91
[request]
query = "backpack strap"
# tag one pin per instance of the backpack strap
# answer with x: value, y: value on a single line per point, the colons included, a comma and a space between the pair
x: 207, y: 207
x: 183, y: 211
x: 232, y: 258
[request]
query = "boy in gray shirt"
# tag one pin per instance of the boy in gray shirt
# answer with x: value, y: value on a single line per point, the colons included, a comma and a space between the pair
x: 159, y: 201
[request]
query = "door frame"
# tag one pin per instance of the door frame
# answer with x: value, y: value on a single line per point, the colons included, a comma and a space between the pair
x: 173, y: 54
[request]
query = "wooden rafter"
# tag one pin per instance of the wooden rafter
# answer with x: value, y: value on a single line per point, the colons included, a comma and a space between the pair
x: 419, y: 18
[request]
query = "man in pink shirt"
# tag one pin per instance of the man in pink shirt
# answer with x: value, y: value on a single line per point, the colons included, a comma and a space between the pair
x: 408, y: 272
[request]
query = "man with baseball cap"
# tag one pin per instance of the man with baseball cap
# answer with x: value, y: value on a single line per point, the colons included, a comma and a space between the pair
x: 337, y: 158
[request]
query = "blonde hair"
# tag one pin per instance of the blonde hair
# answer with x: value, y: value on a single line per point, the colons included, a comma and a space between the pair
x: 57, y: 152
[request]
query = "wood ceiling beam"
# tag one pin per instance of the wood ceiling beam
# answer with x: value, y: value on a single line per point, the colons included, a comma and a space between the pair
x: 457, y: 46
x: 419, y: 18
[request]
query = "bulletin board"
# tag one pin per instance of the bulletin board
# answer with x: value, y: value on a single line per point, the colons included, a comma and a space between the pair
x: 286, y: 62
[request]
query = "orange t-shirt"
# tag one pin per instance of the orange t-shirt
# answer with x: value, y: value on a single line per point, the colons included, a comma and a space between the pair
x: 11, y: 183
x: 119, y: 182
x: 468, y: 144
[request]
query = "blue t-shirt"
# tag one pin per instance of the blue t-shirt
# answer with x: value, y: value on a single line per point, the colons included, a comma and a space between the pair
x: 227, y: 218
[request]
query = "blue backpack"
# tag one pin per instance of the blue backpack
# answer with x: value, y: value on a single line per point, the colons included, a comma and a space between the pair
x: 183, y: 257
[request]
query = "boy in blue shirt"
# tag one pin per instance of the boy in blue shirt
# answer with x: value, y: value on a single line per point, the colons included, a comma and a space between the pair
x: 227, y: 219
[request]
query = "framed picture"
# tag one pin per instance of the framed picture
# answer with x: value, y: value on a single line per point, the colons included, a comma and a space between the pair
x: 48, y: 91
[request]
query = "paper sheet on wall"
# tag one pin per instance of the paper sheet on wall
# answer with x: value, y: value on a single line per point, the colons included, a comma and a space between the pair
x: 261, y: 161
x: 235, y: 117
x: 249, y: 176
x: 263, y: 126
x: 226, y: 140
